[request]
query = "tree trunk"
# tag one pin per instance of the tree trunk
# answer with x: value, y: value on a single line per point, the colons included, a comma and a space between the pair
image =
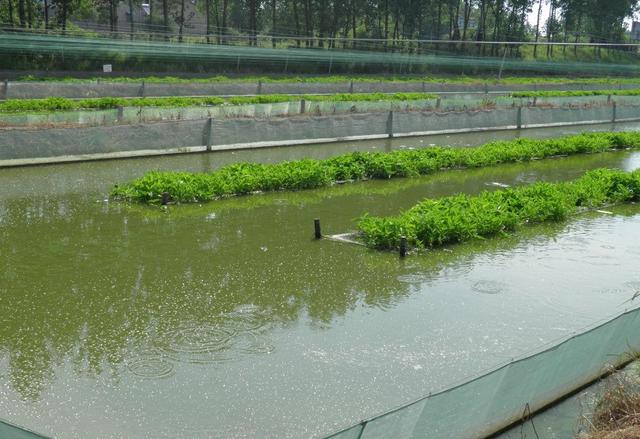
x: 535, y: 46
x: 225, y: 5
x: 253, y: 12
x: 181, y: 26
x: 131, y: 19
x: 465, y: 18
x: 207, y: 19
x: 307, y: 23
x: 21, y: 14
x: 296, y: 18
x: 46, y: 14
x: 550, y: 29
x: 63, y: 17
x: 30, y: 13
x: 165, y: 17
x: 273, y: 23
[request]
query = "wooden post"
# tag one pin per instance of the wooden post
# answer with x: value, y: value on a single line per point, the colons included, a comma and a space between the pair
x: 390, y: 124
x: 614, y: 111
x: 303, y: 106
x: 351, y: 87
x: 438, y: 102
x: 519, y: 118
x: 142, y: 91
x: 403, y: 246
x: 316, y: 226
x: 259, y: 87
x: 120, y: 114
x: 165, y: 198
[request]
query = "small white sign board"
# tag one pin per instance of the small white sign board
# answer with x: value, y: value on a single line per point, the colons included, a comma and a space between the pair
x: 107, y: 68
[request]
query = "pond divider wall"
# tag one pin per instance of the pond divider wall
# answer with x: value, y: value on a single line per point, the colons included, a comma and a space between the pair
x: 496, y: 400
x: 45, y: 89
x: 130, y: 115
x: 51, y: 145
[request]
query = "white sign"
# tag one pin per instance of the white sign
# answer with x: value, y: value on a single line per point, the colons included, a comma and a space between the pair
x: 107, y: 68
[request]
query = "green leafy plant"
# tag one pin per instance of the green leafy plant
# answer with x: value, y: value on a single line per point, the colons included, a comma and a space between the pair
x: 434, y: 222
x: 244, y: 178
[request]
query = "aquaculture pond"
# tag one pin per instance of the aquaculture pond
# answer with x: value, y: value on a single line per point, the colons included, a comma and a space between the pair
x: 227, y: 320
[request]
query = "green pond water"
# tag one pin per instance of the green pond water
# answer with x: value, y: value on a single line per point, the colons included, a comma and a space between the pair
x: 227, y: 320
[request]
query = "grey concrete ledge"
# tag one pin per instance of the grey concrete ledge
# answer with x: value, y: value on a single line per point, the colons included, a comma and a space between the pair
x: 38, y: 90
x: 19, y: 147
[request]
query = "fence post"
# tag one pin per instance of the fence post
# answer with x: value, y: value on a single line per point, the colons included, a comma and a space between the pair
x: 351, y: 87
x: 403, y: 246
x: 390, y: 124
x: 438, y: 102
x: 316, y: 228
x: 120, y: 114
x: 614, y: 111
x: 519, y: 118
x: 5, y: 91
x: 303, y: 106
x: 209, y: 134
x: 259, y: 87
x: 142, y: 91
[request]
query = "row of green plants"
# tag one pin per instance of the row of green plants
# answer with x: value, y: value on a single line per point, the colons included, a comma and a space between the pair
x: 58, y: 104
x: 458, y: 218
x: 245, y: 178
x: 451, y: 79
x: 574, y: 93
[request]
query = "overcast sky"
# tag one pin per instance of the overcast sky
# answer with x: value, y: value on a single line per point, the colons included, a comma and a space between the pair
x: 533, y: 16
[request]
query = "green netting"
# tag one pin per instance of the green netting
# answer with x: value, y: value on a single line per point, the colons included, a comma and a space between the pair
x: 486, y: 404
x: 571, y: 109
x: 9, y: 431
x: 185, y: 135
x: 34, y: 90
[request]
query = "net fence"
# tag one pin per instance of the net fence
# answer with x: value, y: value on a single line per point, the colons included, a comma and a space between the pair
x: 495, y: 400
x: 23, y: 145
x: 601, y: 106
x: 28, y: 49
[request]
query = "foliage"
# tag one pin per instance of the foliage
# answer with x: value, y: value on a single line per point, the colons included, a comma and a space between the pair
x: 574, y: 93
x: 443, y: 79
x: 245, y: 178
x: 56, y: 104
x: 434, y: 222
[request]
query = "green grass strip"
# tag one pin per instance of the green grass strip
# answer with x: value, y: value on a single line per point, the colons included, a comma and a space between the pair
x: 434, y: 222
x: 574, y: 93
x: 62, y: 104
x: 444, y: 79
x: 244, y: 178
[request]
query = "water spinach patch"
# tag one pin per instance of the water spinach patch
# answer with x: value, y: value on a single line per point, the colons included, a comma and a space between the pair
x: 245, y: 178
x: 458, y: 218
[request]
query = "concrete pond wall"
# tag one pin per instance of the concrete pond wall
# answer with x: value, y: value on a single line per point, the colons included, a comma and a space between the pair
x: 133, y: 115
x: 50, y: 145
x: 37, y: 90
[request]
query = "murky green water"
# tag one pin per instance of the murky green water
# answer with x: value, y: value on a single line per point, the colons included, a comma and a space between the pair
x: 227, y: 320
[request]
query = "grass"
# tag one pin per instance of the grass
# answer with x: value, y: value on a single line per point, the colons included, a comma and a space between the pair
x: 245, y: 178
x: 58, y: 104
x: 458, y: 218
x: 574, y: 93
x: 451, y: 79
x: 616, y: 414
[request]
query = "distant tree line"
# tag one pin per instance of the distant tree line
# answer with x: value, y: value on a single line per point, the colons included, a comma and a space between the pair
x: 341, y: 23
